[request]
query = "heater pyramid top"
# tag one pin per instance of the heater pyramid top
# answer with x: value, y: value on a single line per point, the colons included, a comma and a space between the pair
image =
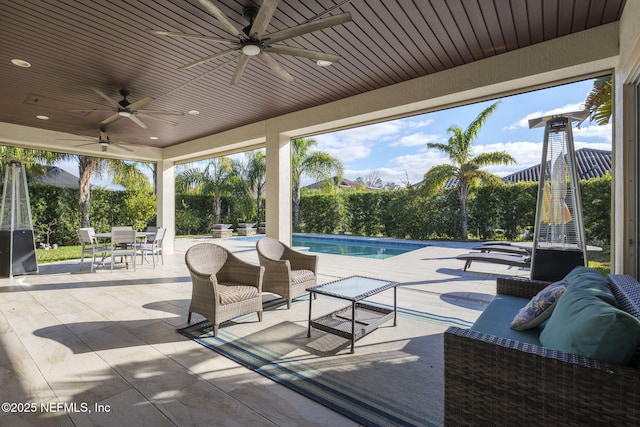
x: 578, y: 116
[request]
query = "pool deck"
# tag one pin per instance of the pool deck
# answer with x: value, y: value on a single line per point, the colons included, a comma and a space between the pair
x: 109, y: 338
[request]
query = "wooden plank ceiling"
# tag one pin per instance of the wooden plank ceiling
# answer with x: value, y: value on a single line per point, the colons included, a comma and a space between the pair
x: 74, y: 46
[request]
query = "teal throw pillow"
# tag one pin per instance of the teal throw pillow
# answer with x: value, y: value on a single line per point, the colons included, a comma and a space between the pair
x: 585, y: 324
x: 590, y: 280
x: 539, y: 308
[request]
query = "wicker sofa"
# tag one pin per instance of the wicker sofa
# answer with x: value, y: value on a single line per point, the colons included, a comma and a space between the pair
x: 492, y: 380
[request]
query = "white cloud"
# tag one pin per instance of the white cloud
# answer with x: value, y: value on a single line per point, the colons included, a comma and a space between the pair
x: 524, y: 122
x: 417, y: 139
x: 594, y: 131
x: 349, y: 153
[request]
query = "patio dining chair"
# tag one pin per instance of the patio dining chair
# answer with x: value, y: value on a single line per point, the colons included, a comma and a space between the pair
x: 153, y: 247
x: 89, y: 245
x: 123, y: 244
x: 288, y: 272
x: 224, y: 286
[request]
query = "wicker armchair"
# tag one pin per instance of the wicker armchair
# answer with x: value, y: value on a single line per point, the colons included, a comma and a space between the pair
x: 224, y: 286
x: 287, y: 273
x: 491, y: 380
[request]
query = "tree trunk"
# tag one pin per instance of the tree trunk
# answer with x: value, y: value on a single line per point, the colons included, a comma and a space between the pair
x: 296, y: 208
x: 259, y: 203
x: 463, y: 193
x: 463, y: 219
x: 85, y: 168
x: 217, y: 209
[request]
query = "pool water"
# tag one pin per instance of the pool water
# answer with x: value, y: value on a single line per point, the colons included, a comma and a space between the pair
x: 365, y: 247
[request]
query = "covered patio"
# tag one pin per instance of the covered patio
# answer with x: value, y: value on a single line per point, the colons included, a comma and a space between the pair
x: 460, y: 62
x: 109, y: 339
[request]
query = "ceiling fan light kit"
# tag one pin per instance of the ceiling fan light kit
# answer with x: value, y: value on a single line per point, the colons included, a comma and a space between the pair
x: 251, y: 48
x: 252, y: 41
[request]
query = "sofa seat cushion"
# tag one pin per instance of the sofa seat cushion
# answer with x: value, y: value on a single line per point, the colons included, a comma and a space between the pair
x: 496, y: 320
x: 585, y: 324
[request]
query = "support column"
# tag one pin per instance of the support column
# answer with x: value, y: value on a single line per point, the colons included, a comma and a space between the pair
x: 166, y: 196
x: 278, y: 194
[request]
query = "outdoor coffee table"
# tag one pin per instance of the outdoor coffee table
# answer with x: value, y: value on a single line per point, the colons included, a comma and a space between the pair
x: 355, y: 321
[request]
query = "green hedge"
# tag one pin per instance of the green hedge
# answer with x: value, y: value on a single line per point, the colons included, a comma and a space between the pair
x: 502, y: 211
x: 58, y: 210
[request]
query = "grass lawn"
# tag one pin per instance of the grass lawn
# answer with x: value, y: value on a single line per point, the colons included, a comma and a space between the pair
x: 62, y: 253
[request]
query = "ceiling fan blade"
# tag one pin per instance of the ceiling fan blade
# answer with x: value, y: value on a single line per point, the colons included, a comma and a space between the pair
x: 137, y: 121
x: 120, y: 146
x: 230, y: 26
x: 296, y: 51
x: 84, y: 145
x: 110, y: 119
x: 139, y: 103
x: 192, y: 36
x: 276, y: 67
x: 124, y: 140
x: 110, y: 100
x: 242, y: 64
x: 263, y: 17
x: 308, y: 28
x: 156, y: 118
x: 94, y: 110
x: 208, y: 58
x: 168, y: 113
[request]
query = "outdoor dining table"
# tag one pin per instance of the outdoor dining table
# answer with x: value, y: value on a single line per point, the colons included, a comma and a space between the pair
x: 107, y: 236
x: 139, y: 235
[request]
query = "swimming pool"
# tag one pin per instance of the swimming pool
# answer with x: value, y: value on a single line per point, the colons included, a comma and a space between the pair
x: 365, y: 247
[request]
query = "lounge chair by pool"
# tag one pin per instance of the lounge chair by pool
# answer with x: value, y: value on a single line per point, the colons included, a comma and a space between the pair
x: 495, y: 258
x: 508, y: 249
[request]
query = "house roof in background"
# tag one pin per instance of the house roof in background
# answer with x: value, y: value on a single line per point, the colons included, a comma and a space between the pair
x: 58, y: 178
x: 345, y: 183
x: 591, y: 164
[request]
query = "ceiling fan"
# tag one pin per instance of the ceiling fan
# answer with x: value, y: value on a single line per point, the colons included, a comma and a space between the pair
x: 132, y: 110
x: 252, y: 41
x: 104, y: 141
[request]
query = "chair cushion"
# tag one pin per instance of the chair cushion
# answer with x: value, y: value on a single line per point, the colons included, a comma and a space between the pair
x: 301, y: 276
x: 583, y: 323
x: 539, y: 308
x: 231, y: 292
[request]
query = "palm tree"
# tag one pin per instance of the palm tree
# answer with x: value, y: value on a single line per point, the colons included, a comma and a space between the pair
x: 318, y: 165
x: 219, y: 178
x: 598, y: 101
x: 255, y: 171
x: 96, y: 167
x: 464, y: 167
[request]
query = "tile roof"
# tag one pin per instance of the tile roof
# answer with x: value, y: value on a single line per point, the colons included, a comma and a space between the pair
x: 591, y: 164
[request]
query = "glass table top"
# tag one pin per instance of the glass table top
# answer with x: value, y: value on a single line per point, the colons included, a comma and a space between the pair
x: 353, y: 288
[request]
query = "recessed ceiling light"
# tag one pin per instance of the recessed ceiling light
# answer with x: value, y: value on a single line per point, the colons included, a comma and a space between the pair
x: 322, y: 63
x: 20, y: 63
x: 194, y: 112
x: 153, y: 137
x: 42, y: 117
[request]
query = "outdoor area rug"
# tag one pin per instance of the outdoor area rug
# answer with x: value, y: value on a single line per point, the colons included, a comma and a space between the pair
x: 395, y: 376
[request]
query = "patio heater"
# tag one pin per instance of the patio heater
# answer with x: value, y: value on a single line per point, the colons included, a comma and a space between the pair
x: 559, y: 240
x: 17, y: 240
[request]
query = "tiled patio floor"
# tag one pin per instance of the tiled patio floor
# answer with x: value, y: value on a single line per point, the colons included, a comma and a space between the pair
x: 108, y: 339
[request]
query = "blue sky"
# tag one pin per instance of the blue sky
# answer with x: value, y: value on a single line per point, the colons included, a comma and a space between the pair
x: 397, y: 150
